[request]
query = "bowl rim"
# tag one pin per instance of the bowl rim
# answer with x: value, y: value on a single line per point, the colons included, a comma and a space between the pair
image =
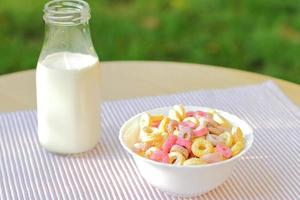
x: 130, y: 151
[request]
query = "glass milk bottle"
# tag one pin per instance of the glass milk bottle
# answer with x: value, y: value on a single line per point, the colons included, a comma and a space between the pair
x: 68, y: 80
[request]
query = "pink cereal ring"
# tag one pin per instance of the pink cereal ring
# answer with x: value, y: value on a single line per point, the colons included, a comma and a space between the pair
x: 224, y: 150
x: 190, y: 114
x: 184, y: 143
x: 165, y: 158
x: 200, y: 132
x: 157, y: 156
x: 185, y: 135
x: 199, y: 114
x: 169, y: 143
x: 160, y: 156
x: 185, y: 129
x: 188, y: 124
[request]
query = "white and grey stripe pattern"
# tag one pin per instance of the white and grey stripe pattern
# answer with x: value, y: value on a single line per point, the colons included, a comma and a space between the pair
x: 271, y: 169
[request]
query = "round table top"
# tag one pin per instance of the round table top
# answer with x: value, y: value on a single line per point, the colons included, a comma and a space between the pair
x: 129, y: 79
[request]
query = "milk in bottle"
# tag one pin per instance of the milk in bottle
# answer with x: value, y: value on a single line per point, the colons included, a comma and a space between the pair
x: 68, y: 80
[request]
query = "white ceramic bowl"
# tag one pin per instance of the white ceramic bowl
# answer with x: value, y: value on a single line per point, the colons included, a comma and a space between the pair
x: 183, y: 180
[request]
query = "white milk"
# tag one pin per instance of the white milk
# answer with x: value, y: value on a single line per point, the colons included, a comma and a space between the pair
x: 68, y: 102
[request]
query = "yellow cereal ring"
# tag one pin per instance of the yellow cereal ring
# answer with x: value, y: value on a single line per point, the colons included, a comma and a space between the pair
x: 145, y: 131
x: 201, y: 146
x: 173, y: 114
x: 228, y: 138
x: 163, y: 124
x: 193, y: 161
x: 149, y: 130
x: 237, y: 134
x: 141, y: 153
x: 237, y: 148
x: 176, y: 158
x: 150, y: 134
x: 180, y: 109
x: 221, y: 120
x: 150, y: 151
x: 192, y: 119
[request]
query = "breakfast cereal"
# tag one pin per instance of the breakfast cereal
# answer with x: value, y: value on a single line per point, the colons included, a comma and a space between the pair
x: 188, y: 137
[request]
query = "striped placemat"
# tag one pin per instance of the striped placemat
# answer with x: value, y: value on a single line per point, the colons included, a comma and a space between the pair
x: 271, y: 169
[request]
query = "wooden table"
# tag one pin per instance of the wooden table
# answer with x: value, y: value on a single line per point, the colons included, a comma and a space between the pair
x: 128, y: 79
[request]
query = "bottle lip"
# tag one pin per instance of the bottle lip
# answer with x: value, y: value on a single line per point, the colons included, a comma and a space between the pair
x: 66, y: 12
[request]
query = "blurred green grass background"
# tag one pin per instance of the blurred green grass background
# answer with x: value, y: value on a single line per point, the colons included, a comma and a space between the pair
x: 255, y: 35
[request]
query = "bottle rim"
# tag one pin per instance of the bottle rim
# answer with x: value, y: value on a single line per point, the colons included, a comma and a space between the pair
x: 66, y: 12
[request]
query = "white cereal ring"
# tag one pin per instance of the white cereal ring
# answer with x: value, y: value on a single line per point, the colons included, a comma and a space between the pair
x: 173, y: 114
x: 214, y: 139
x: 145, y: 120
x: 141, y: 146
x: 180, y: 149
x: 180, y: 109
x: 212, y: 157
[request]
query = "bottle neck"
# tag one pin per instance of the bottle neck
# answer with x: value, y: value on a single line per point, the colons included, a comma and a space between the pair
x: 67, y: 28
x: 66, y: 12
